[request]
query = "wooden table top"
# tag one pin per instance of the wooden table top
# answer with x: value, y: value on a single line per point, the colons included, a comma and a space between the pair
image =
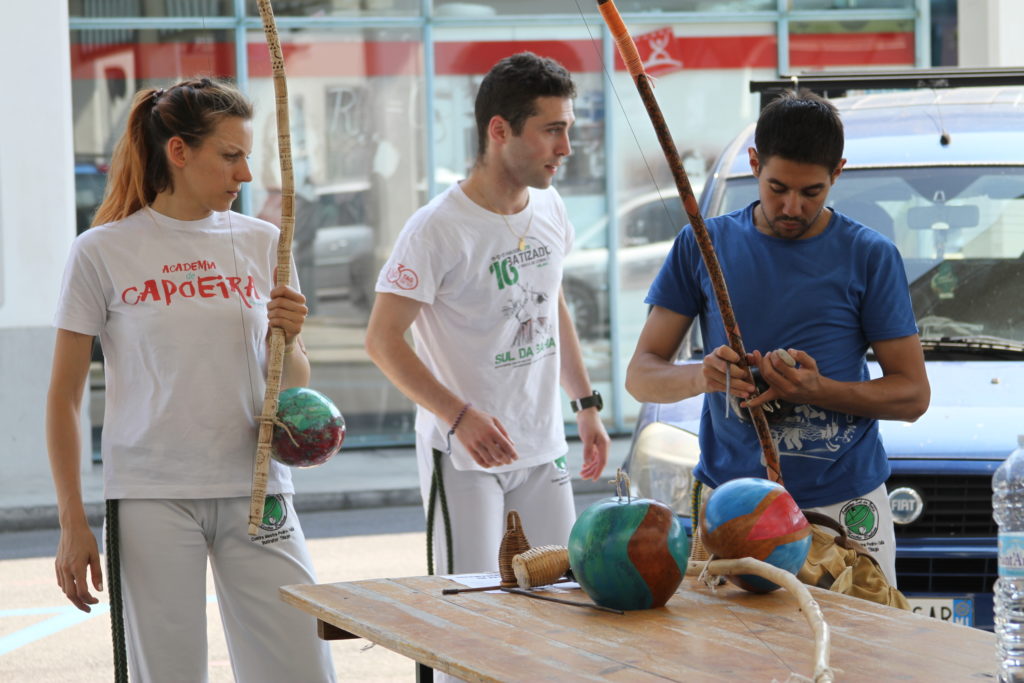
x: 699, y: 635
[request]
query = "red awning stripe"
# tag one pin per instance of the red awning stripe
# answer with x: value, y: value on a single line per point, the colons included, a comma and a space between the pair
x: 393, y: 58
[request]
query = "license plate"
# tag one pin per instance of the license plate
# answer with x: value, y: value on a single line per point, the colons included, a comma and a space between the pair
x: 958, y: 610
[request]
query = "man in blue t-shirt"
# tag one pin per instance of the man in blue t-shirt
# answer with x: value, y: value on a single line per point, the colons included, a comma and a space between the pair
x: 804, y: 278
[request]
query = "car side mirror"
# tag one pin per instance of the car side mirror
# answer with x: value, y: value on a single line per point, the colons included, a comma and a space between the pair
x: 943, y: 217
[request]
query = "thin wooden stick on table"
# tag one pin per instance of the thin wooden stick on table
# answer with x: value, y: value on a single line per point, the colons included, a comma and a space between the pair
x: 541, y: 596
x: 474, y: 589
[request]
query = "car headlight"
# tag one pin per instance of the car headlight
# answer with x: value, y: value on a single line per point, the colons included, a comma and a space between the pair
x: 661, y: 465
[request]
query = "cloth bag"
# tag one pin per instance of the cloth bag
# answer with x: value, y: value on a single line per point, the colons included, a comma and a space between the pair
x: 840, y: 564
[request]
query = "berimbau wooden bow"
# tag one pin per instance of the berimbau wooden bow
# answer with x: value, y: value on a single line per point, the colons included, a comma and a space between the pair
x: 275, y: 362
x: 644, y: 84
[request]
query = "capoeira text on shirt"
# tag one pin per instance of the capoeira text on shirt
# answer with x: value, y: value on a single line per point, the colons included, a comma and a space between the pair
x: 205, y: 287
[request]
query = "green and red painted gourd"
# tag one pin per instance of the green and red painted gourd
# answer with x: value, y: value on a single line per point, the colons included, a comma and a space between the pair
x: 311, y: 429
x: 628, y: 553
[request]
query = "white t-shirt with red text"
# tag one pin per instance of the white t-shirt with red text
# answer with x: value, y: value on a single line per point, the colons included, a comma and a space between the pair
x: 181, y: 311
x: 489, y: 329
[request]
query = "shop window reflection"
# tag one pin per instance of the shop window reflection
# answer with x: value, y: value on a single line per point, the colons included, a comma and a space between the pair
x: 358, y: 157
x: 485, y: 8
x: 149, y: 8
x: 360, y: 136
x: 817, y: 45
x: 334, y: 8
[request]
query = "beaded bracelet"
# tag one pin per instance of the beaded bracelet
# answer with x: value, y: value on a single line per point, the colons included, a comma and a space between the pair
x: 458, y: 418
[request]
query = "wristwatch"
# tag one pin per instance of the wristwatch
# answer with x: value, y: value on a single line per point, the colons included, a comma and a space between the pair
x: 592, y: 401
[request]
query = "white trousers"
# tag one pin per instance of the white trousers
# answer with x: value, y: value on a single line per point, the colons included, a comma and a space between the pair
x: 164, y: 546
x: 868, y: 520
x: 478, y: 504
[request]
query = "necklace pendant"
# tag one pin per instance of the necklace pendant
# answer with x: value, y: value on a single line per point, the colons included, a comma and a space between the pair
x: 522, y: 243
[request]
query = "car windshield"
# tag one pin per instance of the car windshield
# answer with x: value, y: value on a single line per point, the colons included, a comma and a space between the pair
x: 960, y: 230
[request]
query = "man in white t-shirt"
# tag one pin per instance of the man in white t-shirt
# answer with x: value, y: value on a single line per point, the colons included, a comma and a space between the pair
x: 476, y: 274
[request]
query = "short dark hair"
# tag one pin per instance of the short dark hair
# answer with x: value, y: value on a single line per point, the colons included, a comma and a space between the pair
x: 510, y: 90
x: 802, y: 127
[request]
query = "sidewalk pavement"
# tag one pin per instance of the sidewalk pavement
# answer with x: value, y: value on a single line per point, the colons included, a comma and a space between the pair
x: 355, y: 478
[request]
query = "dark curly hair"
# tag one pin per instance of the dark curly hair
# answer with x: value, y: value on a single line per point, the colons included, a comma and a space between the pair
x: 510, y: 90
x: 801, y: 127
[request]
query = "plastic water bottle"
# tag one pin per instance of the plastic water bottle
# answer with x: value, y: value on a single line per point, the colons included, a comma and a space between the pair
x: 1008, y: 511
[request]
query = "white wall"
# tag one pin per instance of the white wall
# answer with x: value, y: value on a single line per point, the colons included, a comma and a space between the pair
x: 37, y: 219
x: 37, y: 225
x: 989, y: 32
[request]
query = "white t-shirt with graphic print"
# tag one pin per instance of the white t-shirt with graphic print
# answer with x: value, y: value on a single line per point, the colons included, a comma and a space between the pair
x: 489, y: 329
x: 181, y: 311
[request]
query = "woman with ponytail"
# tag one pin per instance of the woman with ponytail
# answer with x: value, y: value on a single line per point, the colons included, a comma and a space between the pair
x: 180, y: 291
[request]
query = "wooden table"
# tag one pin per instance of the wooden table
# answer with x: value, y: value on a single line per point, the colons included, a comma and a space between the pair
x: 699, y: 635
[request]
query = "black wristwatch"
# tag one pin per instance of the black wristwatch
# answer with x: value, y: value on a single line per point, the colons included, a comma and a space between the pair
x: 592, y: 401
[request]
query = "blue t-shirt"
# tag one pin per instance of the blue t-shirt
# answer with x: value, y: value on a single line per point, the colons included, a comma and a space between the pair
x: 830, y: 295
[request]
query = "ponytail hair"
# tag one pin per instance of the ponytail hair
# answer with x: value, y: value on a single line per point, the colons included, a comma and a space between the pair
x: 139, y: 170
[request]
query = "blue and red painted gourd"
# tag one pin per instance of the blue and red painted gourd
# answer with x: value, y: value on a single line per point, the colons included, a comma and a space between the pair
x: 628, y: 553
x: 757, y: 518
x: 310, y: 428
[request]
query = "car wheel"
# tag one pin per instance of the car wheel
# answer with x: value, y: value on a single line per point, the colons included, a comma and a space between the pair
x: 582, y: 305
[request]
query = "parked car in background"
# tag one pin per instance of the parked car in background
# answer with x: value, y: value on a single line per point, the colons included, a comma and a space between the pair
x: 941, y: 173
x: 647, y: 224
x: 343, y: 263
x: 90, y: 184
x: 332, y: 243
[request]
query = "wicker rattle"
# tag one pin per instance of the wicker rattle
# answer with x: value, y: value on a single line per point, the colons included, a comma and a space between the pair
x: 540, y: 566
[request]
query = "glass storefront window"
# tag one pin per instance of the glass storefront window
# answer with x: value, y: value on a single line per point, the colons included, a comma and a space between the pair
x: 338, y: 8
x: 150, y: 8
x: 358, y: 152
x: 374, y: 136
x: 851, y: 4
x: 485, y: 8
x: 818, y: 45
